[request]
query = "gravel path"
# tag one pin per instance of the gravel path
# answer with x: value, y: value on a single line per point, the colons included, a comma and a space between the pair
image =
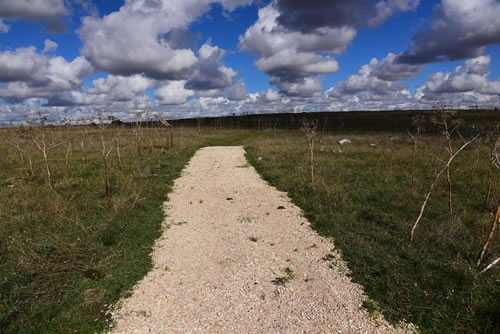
x: 238, y: 257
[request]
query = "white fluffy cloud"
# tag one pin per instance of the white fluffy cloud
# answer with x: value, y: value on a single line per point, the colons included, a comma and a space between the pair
x: 270, y: 95
x: 299, y: 87
x: 237, y: 92
x: 375, y: 86
x: 29, y: 74
x: 148, y: 43
x: 389, y: 69
x: 294, y: 40
x: 210, y: 73
x: 467, y: 84
x: 50, y: 11
x: 289, y: 56
x: 119, y: 88
x: 173, y: 93
x: 459, y: 30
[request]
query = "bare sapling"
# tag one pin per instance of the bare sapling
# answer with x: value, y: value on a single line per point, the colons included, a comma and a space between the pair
x: 417, y: 123
x: 495, y: 160
x: 443, y: 119
x: 44, y: 146
x: 83, y: 134
x: 106, y: 150
x: 168, y: 129
x: 138, y: 131
x: 66, y: 122
x: 309, y: 129
x: 117, y: 139
x: 436, y: 178
x: 149, y: 117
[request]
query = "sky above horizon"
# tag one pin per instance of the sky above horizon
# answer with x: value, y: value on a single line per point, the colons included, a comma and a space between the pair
x: 192, y: 58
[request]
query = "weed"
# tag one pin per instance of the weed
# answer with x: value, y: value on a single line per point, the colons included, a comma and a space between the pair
x: 245, y: 219
x: 180, y: 223
x: 283, y: 280
x: 144, y: 314
x: 370, y: 306
x: 289, y: 273
x: 254, y: 239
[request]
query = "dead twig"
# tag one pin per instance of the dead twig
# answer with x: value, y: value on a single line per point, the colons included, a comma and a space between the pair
x: 496, y: 222
x: 490, y: 266
x: 445, y: 168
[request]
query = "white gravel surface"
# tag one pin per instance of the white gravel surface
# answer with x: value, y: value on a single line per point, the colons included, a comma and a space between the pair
x: 238, y: 257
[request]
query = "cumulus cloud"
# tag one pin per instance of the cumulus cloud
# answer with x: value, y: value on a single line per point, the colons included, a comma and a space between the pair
x: 49, y: 46
x: 376, y: 86
x: 307, y: 16
x: 50, y: 11
x: 459, y: 30
x: 292, y: 55
x: 237, y: 92
x: 209, y: 72
x: 299, y: 87
x: 119, y: 88
x: 390, y: 70
x: 270, y: 95
x: 173, y: 93
x: 30, y: 74
x: 467, y: 84
x: 294, y: 39
x: 155, y: 41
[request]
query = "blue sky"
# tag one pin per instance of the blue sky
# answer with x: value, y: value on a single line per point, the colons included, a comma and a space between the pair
x: 187, y: 58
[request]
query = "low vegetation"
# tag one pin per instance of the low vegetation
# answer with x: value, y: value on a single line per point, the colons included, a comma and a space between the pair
x: 363, y: 198
x: 81, y: 206
x: 73, y: 244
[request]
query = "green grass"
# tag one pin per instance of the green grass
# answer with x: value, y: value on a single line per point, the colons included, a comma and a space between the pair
x: 361, y: 199
x: 67, y: 254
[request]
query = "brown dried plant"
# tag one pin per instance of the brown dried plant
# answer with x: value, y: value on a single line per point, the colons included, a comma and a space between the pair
x: 494, y: 139
x: 309, y: 128
x: 418, y: 125
x: 44, y: 144
x: 448, y: 126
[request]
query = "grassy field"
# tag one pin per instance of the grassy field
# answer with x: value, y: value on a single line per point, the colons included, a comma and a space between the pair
x: 69, y: 251
x: 361, y: 199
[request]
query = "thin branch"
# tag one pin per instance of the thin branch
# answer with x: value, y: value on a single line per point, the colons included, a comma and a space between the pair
x: 490, y: 265
x: 434, y: 183
x: 496, y: 221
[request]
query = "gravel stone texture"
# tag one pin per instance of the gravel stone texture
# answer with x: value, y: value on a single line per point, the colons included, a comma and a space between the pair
x: 237, y: 256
